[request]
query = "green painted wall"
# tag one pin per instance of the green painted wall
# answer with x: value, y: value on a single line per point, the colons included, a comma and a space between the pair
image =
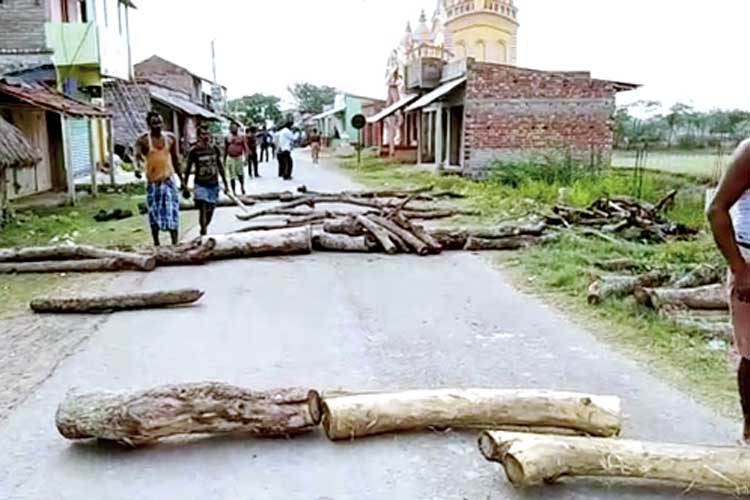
x: 73, y: 43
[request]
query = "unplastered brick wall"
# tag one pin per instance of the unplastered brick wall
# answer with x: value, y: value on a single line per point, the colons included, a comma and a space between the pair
x: 169, y: 75
x: 513, y: 113
x: 22, y: 24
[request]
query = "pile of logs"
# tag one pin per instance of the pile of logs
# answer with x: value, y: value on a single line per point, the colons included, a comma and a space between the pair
x: 625, y: 217
x: 697, y: 300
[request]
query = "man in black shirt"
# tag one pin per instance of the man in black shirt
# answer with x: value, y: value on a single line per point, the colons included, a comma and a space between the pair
x: 208, y: 167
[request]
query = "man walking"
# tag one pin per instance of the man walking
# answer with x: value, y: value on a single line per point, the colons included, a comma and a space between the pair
x: 315, y: 145
x: 251, y: 143
x: 234, y: 157
x: 159, y: 151
x: 206, y: 158
x: 284, y: 146
x: 732, y: 235
x: 265, y: 144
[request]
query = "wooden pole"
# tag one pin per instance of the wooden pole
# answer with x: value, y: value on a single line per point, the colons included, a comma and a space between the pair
x: 92, y: 157
x: 531, y: 459
x: 371, y: 414
x: 111, y: 143
x: 70, y: 179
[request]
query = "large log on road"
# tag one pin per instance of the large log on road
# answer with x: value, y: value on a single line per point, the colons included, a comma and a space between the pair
x: 141, y: 417
x: 264, y: 243
x: 121, y: 302
x: 530, y: 459
x: 621, y: 286
x: 68, y: 266
x: 194, y: 253
x: 355, y: 416
x: 382, y: 235
x: 710, y: 297
x: 414, y: 243
x: 329, y: 242
x: 75, y: 252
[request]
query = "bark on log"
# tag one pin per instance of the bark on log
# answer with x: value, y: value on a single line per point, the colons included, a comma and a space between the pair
x: 72, y: 252
x: 700, y: 276
x: 420, y: 232
x: 190, y: 254
x: 107, y: 303
x: 187, y: 205
x: 405, y: 193
x: 370, y: 414
x: 380, y: 233
x: 412, y: 241
x: 710, y: 297
x: 258, y: 244
x: 617, y: 265
x: 455, y: 239
x: 438, y: 214
x: 348, y: 226
x: 530, y: 459
x: 620, y: 286
x: 141, y: 417
x: 279, y: 210
x: 329, y: 242
x: 513, y: 243
x: 68, y: 266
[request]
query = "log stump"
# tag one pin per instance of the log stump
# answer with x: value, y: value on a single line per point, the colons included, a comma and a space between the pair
x: 109, y: 303
x: 293, y: 241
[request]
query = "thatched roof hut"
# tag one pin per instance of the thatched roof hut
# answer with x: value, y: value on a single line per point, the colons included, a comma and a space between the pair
x: 15, y: 149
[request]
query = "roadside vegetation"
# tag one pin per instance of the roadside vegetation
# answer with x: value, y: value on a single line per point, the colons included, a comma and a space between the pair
x: 60, y: 225
x: 562, y: 270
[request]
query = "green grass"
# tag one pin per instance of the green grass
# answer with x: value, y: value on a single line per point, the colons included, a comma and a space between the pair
x: 703, y: 164
x: 48, y: 226
x: 563, y: 270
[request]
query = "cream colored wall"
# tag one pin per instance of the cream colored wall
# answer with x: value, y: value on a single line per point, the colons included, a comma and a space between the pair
x: 484, y: 36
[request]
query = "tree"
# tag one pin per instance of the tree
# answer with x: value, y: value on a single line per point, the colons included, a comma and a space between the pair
x: 311, y: 98
x: 676, y: 117
x: 256, y: 109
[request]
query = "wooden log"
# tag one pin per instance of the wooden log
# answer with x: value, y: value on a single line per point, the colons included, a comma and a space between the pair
x: 187, y: 205
x: 121, y: 302
x: 702, y: 275
x: 414, y: 243
x: 420, y: 232
x: 279, y: 210
x: 513, y: 243
x: 190, y: 254
x: 370, y: 414
x: 620, y: 286
x: 533, y: 459
x: 380, y: 233
x: 623, y: 264
x: 264, y: 243
x: 709, y: 297
x: 142, y: 417
x: 456, y: 238
x: 71, y: 252
x: 67, y: 266
x: 330, y: 242
x: 345, y: 225
x: 405, y: 193
x: 437, y: 214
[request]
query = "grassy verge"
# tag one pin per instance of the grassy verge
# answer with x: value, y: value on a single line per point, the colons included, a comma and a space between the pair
x: 47, y: 226
x: 562, y: 270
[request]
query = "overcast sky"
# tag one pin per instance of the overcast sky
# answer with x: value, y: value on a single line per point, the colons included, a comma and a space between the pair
x: 680, y: 50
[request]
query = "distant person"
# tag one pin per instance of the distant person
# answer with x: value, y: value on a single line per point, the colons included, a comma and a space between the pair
x: 234, y: 157
x: 251, y: 143
x: 284, y: 145
x: 159, y: 151
x: 206, y: 158
x: 315, y: 145
x: 265, y: 144
x: 272, y: 143
x: 732, y: 235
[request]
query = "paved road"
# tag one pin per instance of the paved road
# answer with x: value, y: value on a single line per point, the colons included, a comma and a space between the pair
x: 326, y: 320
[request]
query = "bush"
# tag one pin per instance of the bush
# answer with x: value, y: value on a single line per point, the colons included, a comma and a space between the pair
x: 550, y: 169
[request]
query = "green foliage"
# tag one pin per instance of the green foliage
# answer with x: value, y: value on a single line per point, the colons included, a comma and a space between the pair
x: 256, y: 109
x: 311, y: 98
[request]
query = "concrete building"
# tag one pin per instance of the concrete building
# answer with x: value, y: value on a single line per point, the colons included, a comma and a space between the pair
x: 457, y: 101
x: 335, y: 123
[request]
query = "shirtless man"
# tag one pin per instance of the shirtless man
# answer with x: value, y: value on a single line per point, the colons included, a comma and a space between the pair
x: 234, y: 157
x: 159, y: 151
x: 732, y: 235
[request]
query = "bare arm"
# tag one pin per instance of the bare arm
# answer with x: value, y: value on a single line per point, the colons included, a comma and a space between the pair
x: 222, y: 172
x: 735, y: 182
x: 141, y: 150
x: 189, y: 168
x: 175, y: 157
x: 226, y: 148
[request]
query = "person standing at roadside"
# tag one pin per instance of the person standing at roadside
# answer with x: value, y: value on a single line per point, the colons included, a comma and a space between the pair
x: 234, y: 157
x: 206, y: 158
x: 315, y: 145
x: 158, y: 149
x: 729, y: 214
x: 251, y: 143
x: 264, y: 145
x: 284, y: 146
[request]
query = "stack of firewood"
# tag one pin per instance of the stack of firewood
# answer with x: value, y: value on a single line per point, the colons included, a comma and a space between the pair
x: 625, y: 217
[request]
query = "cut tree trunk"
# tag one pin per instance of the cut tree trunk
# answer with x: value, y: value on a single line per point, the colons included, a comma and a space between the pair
x: 68, y: 266
x: 455, y: 239
x: 123, y: 302
x: 279, y: 210
x: 329, y: 242
x: 347, y: 225
x: 617, y: 265
x: 532, y: 459
x: 190, y: 254
x: 370, y: 414
x: 71, y: 252
x: 700, y: 276
x: 621, y: 286
x: 512, y: 243
x: 710, y: 324
x: 299, y: 221
x: 141, y: 417
x: 380, y: 233
x: 265, y: 243
x: 420, y: 232
x: 710, y: 297
x: 411, y: 241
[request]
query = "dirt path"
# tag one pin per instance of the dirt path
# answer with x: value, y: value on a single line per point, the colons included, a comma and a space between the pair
x: 330, y: 320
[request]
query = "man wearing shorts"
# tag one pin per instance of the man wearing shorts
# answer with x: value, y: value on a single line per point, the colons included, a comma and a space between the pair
x: 732, y: 234
x: 234, y: 157
x: 206, y: 158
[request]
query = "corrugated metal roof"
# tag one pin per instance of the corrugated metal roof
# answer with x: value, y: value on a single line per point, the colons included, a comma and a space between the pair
x: 436, y: 94
x: 179, y: 102
x: 129, y: 104
x: 330, y: 112
x: 392, y: 108
x: 44, y: 97
x: 15, y: 149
